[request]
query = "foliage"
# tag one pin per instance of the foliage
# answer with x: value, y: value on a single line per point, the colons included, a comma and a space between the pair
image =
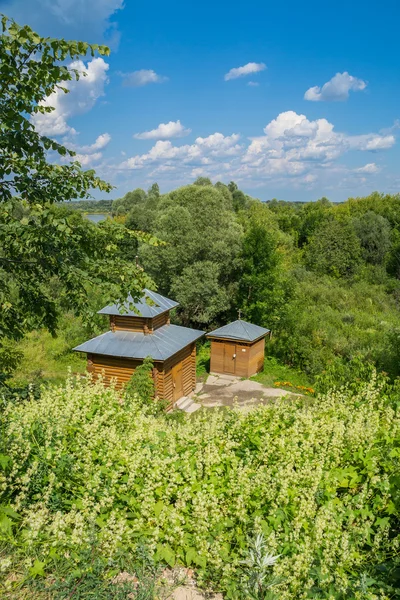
x: 262, y: 292
x: 141, y: 385
x: 373, y: 231
x: 90, y: 576
x: 198, y: 226
x: 199, y: 292
x: 122, y: 206
x: 334, y: 249
x: 203, y: 360
x: 274, y: 371
x: 327, y: 323
x: 257, y: 583
x: 39, y: 242
x: 319, y: 478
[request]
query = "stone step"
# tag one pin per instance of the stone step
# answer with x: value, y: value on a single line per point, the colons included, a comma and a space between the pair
x: 183, y: 402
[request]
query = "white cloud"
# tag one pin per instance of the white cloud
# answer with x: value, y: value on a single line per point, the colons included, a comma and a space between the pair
x: 87, y: 159
x: 173, y: 129
x: 141, y: 78
x: 337, y: 88
x: 248, y: 69
x: 253, y: 83
x: 292, y: 147
x: 82, y: 96
x: 203, y: 149
x: 101, y: 142
x: 369, y: 168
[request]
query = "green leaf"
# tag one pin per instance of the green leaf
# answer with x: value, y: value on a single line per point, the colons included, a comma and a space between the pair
x: 191, y: 555
x: 4, y: 460
x: 38, y: 569
x: 168, y: 555
x: 158, y: 508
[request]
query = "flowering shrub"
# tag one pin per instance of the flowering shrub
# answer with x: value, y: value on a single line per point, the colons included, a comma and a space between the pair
x: 315, y: 477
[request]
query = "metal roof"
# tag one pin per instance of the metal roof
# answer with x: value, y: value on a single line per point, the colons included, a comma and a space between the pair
x: 239, y: 330
x: 143, y: 309
x: 160, y: 345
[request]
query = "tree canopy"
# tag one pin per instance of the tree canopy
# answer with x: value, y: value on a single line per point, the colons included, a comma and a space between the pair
x: 43, y: 247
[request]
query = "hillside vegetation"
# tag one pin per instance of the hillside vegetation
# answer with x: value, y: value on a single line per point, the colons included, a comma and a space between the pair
x: 85, y: 468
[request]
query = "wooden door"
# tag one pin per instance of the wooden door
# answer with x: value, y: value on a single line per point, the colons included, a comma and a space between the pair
x: 229, y: 358
x: 177, y: 381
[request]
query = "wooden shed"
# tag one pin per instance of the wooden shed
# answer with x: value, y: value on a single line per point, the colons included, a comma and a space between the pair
x: 238, y: 349
x: 137, y: 334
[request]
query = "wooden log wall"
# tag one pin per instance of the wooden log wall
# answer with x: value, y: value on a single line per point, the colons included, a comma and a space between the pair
x: 144, y: 325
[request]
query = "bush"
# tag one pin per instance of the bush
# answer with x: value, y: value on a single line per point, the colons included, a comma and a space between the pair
x: 318, y: 477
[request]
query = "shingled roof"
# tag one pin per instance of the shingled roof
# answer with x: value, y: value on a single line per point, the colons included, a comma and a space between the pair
x: 160, y: 345
x: 159, y: 304
x: 239, y: 330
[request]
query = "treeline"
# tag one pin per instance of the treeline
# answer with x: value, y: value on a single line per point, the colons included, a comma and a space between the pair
x: 323, y: 277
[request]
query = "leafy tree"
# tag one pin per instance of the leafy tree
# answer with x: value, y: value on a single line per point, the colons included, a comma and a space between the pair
x: 200, y: 293
x: 154, y: 191
x: 373, y: 232
x: 197, y: 224
x: 38, y: 241
x: 202, y: 181
x: 393, y: 264
x: 334, y: 249
x: 262, y: 290
x: 123, y: 205
x: 312, y: 215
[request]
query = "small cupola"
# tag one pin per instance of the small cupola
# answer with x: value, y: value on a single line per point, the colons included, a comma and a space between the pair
x: 145, y: 315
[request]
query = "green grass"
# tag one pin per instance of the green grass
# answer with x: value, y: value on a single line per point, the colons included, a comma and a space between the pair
x: 274, y: 372
x: 48, y: 359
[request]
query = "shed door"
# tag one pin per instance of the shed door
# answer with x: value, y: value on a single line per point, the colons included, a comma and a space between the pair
x: 229, y: 358
x: 177, y: 381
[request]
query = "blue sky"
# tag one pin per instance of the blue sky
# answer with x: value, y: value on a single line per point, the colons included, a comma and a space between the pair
x: 290, y: 100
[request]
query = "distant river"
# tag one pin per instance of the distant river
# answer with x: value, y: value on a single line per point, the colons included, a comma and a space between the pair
x: 97, y: 217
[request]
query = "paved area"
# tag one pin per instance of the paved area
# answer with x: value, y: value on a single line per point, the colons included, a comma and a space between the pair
x: 228, y: 390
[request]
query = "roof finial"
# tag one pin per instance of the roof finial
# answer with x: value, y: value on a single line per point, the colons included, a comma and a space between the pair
x: 240, y: 313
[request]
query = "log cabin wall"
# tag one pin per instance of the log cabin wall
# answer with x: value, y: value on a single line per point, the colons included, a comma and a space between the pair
x: 130, y: 323
x: 174, y: 378
x: 120, y: 369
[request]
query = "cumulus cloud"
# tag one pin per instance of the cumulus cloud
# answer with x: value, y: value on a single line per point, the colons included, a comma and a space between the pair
x: 88, y: 159
x: 101, y: 142
x: 248, y: 69
x: 141, y: 78
x: 290, y: 147
x: 369, y: 168
x: 337, y: 88
x: 213, y: 146
x: 173, y: 129
x: 82, y: 96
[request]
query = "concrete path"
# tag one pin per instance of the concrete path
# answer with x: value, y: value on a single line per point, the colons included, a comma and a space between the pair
x: 227, y: 390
